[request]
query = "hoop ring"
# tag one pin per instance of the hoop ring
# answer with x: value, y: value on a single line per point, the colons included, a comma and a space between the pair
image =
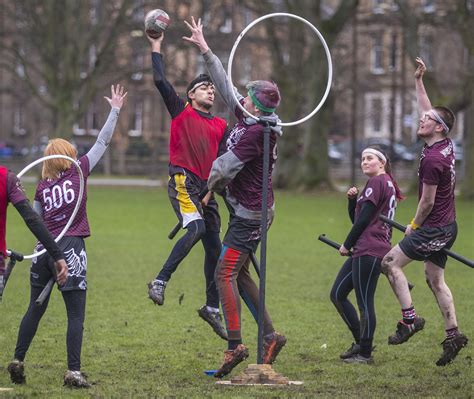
x: 76, y: 208
x: 328, y: 57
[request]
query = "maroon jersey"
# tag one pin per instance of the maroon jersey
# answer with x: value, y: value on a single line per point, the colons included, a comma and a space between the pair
x: 58, y: 198
x: 246, y: 142
x: 10, y: 191
x: 375, y: 239
x: 437, y: 168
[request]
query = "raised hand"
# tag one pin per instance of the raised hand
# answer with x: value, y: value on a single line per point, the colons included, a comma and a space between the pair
x: 420, y: 70
x: 197, y: 37
x: 117, y: 96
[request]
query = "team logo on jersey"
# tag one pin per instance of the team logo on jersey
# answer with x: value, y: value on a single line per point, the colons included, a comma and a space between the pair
x: 234, y: 137
x: 20, y: 187
x: 368, y: 192
x: 77, y: 264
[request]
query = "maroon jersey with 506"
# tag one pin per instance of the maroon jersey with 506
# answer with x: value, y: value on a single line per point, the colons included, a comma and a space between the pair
x: 58, y: 198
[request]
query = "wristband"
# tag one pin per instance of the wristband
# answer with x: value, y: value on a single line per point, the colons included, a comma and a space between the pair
x: 413, y: 225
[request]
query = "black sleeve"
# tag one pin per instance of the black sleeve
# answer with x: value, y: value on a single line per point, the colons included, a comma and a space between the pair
x: 223, y: 143
x: 367, y: 213
x: 173, y: 102
x: 37, y: 227
x: 351, y: 207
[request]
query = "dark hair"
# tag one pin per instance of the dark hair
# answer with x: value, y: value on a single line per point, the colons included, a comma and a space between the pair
x: 200, y: 79
x: 447, y: 116
x: 388, y: 171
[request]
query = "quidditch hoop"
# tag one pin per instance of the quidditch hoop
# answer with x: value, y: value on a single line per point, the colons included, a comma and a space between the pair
x: 78, y: 203
x: 328, y: 57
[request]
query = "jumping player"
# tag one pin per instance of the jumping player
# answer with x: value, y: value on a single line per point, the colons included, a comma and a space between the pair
x: 195, y: 139
x: 238, y: 175
x: 12, y: 191
x: 55, y: 200
x: 369, y: 239
x: 433, y: 228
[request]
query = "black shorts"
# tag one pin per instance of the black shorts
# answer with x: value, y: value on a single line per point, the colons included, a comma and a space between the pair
x: 426, y: 243
x: 183, y: 191
x: 75, y: 255
x: 243, y: 234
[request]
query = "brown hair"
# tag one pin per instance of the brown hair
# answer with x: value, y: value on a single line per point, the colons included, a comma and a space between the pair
x: 447, y: 116
x: 52, y: 168
x: 388, y: 171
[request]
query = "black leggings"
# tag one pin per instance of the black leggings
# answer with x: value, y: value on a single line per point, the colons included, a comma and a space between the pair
x: 195, y: 231
x: 75, y: 302
x: 360, y: 274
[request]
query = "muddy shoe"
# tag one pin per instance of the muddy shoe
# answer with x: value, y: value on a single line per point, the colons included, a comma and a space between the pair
x: 451, y: 348
x: 215, y: 321
x: 405, y: 331
x: 352, y: 351
x: 272, y: 345
x: 156, y: 291
x: 231, y: 359
x: 75, y: 379
x: 17, y: 372
x: 359, y: 359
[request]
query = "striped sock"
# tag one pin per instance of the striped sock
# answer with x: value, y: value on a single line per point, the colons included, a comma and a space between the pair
x: 452, y: 332
x: 409, y: 315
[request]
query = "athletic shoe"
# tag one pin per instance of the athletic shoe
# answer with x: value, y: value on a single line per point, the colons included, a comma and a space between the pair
x: 405, y: 331
x: 451, y: 347
x: 156, y: 291
x: 215, y: 321
x: 359, y: 359
x: 231, y: 359
x: 17, y: 372
x: 352, y: 351
x: 75, y: 379
x: 272, y: 345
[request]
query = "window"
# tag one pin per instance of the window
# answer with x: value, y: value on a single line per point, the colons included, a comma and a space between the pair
x: 376, y: 115
x: 393, y: 53
x: 429, y: 6
x: 19, y: 120
x: 378, y: 6
x: 138, y: 62
x: 377, y: 55
x: 426, y: 50
x: 89, y: 125
x: 136, y: 123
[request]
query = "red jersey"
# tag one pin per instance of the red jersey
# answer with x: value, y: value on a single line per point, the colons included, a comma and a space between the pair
x: 194, y: 140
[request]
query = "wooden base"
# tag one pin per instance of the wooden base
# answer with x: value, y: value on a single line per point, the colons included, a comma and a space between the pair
x: 260, y: 374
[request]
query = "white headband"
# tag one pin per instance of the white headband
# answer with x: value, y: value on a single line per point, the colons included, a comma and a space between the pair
x: 440, y: 120
x: 199, y: 84
x: 375, y: 152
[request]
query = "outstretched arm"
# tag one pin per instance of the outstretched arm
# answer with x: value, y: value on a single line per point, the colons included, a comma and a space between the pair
x: 105, y: 136
x: 213, y: 64
x: 424, y: 104
x: 173, y: 102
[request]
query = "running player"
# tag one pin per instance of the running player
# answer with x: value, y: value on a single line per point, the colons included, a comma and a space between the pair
x: 369, y: 240
x: 433, y: 228
x: 55, y: 200
x: 12, y: 191
x: 195, y: 138
x: 238, y: 175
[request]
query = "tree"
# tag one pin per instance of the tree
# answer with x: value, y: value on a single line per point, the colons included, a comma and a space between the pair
x: 458, y: 18
x: 64, y: 52
x: 298, y: 68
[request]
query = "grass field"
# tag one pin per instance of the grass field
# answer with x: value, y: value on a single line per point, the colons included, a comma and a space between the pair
x: 134, y: 349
